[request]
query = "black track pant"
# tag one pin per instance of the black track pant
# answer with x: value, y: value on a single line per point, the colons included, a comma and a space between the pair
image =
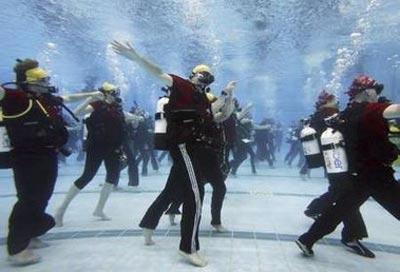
x: 240, y: 155
x: 294, y: 150
x: 133, y: 174
x: 35, y: 176
x: 94, y: 157
x: 184, y: 180
x: 378, y: 183
x: 353, y: 223
x: 172, y: 193
x: 212, y: 173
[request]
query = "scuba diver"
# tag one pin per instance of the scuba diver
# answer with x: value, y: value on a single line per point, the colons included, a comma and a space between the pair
x: 354, y: 228
x: 143, y: 142
x: 129, y: 150
x: 278, y: 136
x: 264, y: 139
x: 36, y: 130
x: 106, y: 127
x: 292, y: 138
x: 368, y: 166
x: 243, y: 138
x: 191, y: 136
x: 216, y: 178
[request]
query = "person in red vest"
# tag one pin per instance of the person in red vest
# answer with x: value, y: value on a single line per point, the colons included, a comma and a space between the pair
x: 192, y: 136
x: 31, y: 113
x: 363, y: 122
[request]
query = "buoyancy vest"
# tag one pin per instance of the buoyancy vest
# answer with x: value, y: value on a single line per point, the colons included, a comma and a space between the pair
x: 38, y: 126
x: 359, y: 148
x: 192, y: 122
x: 106, y: 125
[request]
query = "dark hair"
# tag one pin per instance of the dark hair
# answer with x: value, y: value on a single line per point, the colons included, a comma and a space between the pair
x: 22, y: 66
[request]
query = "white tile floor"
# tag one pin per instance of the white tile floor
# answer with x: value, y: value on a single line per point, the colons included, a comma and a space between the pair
x: 263, y: 212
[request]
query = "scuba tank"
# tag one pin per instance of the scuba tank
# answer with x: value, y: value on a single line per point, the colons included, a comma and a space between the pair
x: 85, y: 132
x: 160, y: 125
x: 333, y: 148
x: 311, y: 148
x: 5, y: 146
x: 394, y: 138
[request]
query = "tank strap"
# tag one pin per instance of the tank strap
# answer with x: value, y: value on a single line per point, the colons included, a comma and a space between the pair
x: 30, y: 104
x: 333, y: 146
x: 159, y: 116
x: 308, y: 138
x: 42, y: 108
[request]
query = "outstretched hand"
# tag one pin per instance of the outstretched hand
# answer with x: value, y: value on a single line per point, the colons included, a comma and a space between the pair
x: 97, y: 96
x: 230, y: 87
x: 124, y: 49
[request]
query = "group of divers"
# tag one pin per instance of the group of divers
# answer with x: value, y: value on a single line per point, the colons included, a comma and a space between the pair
x: 198, y: 131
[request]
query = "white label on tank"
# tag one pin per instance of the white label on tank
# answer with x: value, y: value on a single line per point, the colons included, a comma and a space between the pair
x: 311, y: 147
x: 160, y: 126
x: 336, y: 161
x: 5, y: 145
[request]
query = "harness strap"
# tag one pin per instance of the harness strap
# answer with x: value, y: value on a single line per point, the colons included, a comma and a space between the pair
x: 333, y: 146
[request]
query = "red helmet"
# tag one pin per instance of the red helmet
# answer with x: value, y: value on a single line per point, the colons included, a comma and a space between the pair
x: 323, y: 98
x: 362, y: 83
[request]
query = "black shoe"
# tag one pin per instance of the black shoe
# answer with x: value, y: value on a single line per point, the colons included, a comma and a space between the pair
x: 307, y: 251
x: 359, y: 248
x: 311, y: 214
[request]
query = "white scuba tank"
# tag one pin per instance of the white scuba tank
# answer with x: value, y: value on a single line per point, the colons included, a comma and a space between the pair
x: 160, y: 125
x: 334, y: 152
x: 5, y: 146
x: 85, y: 130
x: 311, y: 148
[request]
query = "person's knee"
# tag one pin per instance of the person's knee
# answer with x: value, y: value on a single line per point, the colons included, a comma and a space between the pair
x: 112, y: 179
x: 219, y: 187
x: 82, y: 182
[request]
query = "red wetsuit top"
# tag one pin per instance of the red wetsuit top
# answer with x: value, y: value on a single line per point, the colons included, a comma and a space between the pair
x: 375, y: 148
x: 188, y: 113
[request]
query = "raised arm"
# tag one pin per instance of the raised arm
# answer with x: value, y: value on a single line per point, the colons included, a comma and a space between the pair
x: 393, y: 111
x: 74, y: 97
x: 85, y: 107
x: 223, y: 107
x: 244, y: 112
x: 126, y: 50
x: 261, y: 127
x: 133, y: 118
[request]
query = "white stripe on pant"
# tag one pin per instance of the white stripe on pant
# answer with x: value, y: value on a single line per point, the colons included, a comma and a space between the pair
x: 196, y: 192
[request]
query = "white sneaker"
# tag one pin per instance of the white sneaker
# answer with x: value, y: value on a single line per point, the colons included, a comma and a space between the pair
x: 36, y: 243
x: 25, y: 257
x: 194, y: 258
x: 219, y: 228
x: 172, y: 219
x: 148, y: 234
x: 101, y: 215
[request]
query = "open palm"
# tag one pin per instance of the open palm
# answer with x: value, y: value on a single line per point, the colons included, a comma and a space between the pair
x: 124, y: 49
